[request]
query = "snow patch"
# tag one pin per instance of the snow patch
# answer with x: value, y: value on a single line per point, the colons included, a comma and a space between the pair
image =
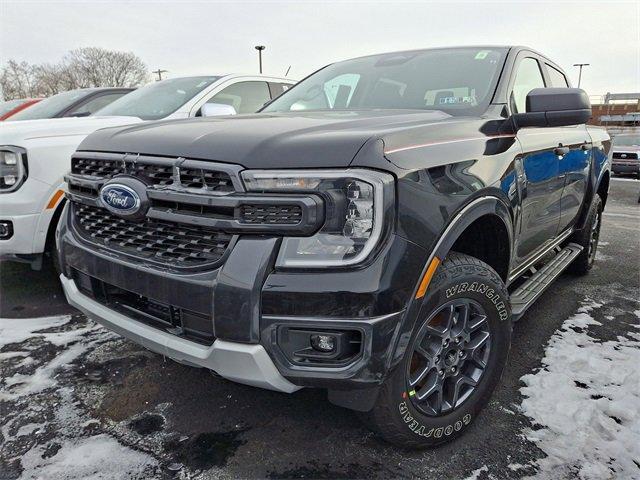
x: 476, y: 473
x: 586, y: 398
x: 92, y: 458
x: 17, y: 330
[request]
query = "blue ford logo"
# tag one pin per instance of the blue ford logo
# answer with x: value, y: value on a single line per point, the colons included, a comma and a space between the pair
x: 120, y: 199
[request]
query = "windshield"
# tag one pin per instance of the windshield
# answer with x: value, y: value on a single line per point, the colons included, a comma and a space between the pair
x: 157, y: 100
x: 627, y: 141
x: 50, y: 107
x: 458, y: 81
x: 6, y: 107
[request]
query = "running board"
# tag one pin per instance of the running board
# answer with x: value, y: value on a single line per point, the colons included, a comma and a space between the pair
x: 524, y: 296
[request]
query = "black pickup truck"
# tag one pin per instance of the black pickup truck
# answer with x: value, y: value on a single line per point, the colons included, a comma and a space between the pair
x: 375, y: 231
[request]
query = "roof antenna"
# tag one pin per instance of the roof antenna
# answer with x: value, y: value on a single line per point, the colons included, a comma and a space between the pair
x: 287, y: 71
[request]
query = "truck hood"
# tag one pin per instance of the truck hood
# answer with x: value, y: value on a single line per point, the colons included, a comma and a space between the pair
x: 264, y: 140
x: 15, y: 133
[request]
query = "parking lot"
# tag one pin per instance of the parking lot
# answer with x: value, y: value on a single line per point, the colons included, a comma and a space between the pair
x: 77, y: 401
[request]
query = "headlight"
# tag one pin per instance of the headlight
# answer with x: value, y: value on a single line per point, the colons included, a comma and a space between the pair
x: 13, y: 168
x: 354, y: 213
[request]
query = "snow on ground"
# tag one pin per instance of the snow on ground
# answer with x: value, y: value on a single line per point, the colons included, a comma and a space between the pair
x: 97, y: 457
x: 62, y: 446
x: 585, y: 403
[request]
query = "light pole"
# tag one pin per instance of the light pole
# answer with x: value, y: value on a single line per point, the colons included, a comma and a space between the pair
x: 159, y: 73
x: 260, y: 48
x: 580, y: 65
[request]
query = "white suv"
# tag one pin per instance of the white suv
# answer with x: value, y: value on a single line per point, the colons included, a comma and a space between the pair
x: 35, y: 154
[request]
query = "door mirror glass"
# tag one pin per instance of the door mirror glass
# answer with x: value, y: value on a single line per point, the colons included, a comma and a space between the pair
x: 217, y: 109
x: 554, y: 107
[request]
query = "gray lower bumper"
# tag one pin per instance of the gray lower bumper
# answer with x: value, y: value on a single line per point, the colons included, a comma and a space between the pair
x: 243, y: 363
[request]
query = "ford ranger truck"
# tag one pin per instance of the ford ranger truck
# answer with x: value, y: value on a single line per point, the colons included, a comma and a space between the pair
x: 34, y: 154
x: 375, y: 231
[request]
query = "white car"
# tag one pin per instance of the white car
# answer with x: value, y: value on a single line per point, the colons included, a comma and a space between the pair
x: 35, y: 154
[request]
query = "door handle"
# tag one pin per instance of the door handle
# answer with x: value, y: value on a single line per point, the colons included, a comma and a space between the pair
x: 586, y: 147
x: 561, y: 151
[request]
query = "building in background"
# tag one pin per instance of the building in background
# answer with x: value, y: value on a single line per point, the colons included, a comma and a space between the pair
x: 618, y: 112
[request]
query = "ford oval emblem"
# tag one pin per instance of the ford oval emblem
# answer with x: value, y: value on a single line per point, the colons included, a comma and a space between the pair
x: 120, y: 199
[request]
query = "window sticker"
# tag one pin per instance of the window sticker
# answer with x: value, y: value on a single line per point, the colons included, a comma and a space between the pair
x: 482, y: 54
x: 456, y: 100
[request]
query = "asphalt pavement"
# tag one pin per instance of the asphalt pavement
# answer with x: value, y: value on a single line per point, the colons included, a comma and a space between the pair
x: 187, y: 423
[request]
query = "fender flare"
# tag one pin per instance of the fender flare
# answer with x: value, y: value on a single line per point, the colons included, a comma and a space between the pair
x: 479, y: 207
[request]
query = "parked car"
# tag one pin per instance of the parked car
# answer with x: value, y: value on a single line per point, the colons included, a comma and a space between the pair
x: 11, y: 107
x: 626, y: 153
x: 374, y: 231
x: 35, y: 154
x: 73, y: 103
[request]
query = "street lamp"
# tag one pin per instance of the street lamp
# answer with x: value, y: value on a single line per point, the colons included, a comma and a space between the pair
x: 159, y: 73
x: 260, y: 48
x: 580, y: 65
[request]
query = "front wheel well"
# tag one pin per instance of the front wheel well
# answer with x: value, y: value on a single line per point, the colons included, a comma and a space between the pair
x: 486, y: 239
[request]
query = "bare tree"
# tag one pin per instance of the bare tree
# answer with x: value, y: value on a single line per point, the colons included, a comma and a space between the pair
x: 18, y: 80
x: 97, y: 67
x: 81, y: 68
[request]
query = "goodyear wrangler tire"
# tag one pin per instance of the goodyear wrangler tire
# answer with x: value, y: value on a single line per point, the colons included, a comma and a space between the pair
x: 454, y: 359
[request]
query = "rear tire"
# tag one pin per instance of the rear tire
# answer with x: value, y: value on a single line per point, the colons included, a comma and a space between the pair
x: 464, y: 323
x: 588, y: 238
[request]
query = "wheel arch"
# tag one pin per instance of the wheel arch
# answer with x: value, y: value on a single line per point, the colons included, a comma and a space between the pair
x: 476, y: 210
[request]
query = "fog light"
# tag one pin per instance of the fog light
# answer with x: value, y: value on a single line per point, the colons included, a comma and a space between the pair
x: 6, y: 229
x: 323, y: 343
x: 9, y: 180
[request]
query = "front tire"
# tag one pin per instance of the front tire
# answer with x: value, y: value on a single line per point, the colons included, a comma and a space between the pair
x: 454, y: 359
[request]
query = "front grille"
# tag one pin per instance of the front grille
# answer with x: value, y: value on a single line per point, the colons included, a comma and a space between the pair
x: 178, y: 321
x: 154, y: 173
x: 271, y: 214
x: 169, y: 243
x: 627, y: 155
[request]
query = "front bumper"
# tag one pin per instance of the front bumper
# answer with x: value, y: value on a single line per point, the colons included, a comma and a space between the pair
x: 242, y: 363
x: 27, y: 211
x: 251, y: 307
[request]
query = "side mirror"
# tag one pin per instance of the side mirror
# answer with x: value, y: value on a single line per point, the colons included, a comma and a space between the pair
x: 554, y: 107
x: 217, y: 109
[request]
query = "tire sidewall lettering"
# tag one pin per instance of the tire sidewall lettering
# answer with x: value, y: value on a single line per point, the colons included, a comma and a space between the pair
x: 421, y: 430
x: 482, y: 289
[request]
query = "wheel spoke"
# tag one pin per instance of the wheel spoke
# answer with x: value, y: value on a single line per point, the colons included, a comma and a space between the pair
x: 460, y: 381
x: 475, y: 322
x: 421, y: 374
x: 463, y: 314
x: 428, y: 390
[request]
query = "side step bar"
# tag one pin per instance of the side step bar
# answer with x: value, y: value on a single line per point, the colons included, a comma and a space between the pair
x: 524, y: 296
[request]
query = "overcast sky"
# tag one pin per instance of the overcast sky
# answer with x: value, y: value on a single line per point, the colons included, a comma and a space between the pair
x: 210, y: 37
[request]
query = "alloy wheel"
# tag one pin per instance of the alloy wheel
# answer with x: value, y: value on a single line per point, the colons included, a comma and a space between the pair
x: 449, y: 357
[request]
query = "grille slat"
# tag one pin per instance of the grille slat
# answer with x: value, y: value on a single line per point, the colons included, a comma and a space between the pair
x: 162, y: 242
x: 271, y: 214
x: 153, y: 173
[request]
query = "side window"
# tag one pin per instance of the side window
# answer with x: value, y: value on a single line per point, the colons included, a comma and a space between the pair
x: 528, y: 77
x: 556, y: 77
x: 277, y: 89
x: 94, y: 104
x: 245, y: 97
